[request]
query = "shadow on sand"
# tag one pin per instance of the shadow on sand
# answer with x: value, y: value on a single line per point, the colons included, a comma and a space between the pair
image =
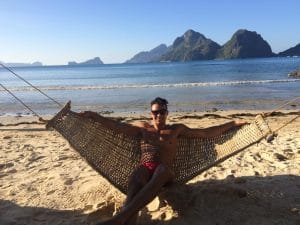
x: 232, y: 201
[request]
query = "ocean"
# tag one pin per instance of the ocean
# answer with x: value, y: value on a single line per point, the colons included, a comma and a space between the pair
x: 242, y: 84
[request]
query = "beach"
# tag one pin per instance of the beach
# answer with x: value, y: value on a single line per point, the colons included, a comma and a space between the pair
x: 44, y: 181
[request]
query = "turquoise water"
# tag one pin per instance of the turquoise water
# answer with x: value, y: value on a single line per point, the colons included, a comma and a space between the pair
x: 189, y: 86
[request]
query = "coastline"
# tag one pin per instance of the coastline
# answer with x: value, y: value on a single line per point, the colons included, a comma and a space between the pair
x: 215, y: 116
x: 129, y: 109
x: 44, y: 181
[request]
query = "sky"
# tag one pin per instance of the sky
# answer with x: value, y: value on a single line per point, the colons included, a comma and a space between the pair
x: 55, y: 32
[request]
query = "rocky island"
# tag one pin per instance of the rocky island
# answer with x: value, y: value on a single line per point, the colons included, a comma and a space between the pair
x: 193, y: 45
x: 94, y: 61
x: 295, y: 74
x: 294, y: 51
x: 245, y: 44
x: 149, y: 56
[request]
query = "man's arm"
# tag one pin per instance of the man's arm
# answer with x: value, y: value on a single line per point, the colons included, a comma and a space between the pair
x: 128, y: 129
x: 210, y: 131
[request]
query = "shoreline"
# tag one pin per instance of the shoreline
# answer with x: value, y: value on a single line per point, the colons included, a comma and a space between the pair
x: 15, y: 120
x: 140, y: 108
x: 181, y: 100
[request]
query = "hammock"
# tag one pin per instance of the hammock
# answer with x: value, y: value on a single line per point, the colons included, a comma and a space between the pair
x: 115, y: 155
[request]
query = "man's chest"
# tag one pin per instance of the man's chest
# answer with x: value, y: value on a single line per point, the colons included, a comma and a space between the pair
x: 160, y: 137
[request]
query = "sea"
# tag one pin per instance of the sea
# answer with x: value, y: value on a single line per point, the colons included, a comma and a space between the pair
x: 197, y: 86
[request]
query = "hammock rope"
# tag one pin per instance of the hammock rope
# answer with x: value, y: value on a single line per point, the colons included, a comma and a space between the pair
x: 26, y: 106
x: 43, y: 93
x: 285, y: 124
x: 275, y: 131
x: 283, y: 105
x: 19, y: 100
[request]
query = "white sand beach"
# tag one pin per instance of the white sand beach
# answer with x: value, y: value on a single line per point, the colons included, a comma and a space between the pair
x: 44, y: 181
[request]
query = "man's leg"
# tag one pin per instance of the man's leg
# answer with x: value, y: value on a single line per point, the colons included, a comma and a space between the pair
x: 137, y: 181
x: 161, y: 176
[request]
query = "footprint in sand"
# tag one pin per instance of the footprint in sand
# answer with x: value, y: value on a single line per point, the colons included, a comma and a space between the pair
x: 3, y: 175
x: 62, y: 157
x: 289, y: 153
x: 43, y: 169
x: 33, y: 157
x: 280, y: 157
x: 7, y: 137
x: 28, y: 147
x: 11, y: 171
x: 50, y: 192
x: 68, y: 181
x: 6, y: 165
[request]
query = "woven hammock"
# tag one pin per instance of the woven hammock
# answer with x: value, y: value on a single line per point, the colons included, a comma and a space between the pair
x: 115, y: 155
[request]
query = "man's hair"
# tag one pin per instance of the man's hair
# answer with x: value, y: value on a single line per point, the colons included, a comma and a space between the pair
x: 160, y: 101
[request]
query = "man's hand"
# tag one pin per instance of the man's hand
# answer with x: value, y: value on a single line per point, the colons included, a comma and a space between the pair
x: 239, y: 123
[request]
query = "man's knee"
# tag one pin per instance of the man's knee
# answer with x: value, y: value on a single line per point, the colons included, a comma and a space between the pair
x: 139, y: 176
x: 163, y: 170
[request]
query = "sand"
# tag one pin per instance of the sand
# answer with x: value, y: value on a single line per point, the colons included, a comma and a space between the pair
x: 44, y: 181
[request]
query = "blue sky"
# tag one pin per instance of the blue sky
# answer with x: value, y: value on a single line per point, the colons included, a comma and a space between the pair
x: 57, y: 31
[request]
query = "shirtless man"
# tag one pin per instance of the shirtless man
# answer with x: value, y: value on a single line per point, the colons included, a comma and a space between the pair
x: 159, y: 145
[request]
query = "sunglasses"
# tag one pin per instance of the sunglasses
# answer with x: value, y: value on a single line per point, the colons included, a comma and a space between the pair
x: 161, y: 112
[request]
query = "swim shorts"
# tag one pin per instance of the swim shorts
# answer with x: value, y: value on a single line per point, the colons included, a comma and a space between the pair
x: 151, y: 166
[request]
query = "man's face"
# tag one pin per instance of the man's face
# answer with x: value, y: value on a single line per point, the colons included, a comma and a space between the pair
x: 159, y: 115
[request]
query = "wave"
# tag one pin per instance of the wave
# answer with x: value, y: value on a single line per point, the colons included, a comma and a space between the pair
x: 170, y: 85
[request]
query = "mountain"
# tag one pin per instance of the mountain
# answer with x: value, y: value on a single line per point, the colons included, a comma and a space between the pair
x: 295, y: 51
x: 245, y: 44
x: 94, y: 61
x: 191, y: 46
x: 150, y: 56
x: 22, y: 64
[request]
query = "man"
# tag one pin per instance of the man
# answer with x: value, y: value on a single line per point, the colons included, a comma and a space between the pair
x: 159, y: 143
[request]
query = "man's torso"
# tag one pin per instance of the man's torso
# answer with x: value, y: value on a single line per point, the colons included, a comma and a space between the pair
x: 159, y: 145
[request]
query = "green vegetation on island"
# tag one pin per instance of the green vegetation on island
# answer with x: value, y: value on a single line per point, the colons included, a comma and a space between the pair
x: 149, y: 56
x: 245, y: 44
x: 294, y: 51
x: 195, y: 46
x: 191, y: 46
